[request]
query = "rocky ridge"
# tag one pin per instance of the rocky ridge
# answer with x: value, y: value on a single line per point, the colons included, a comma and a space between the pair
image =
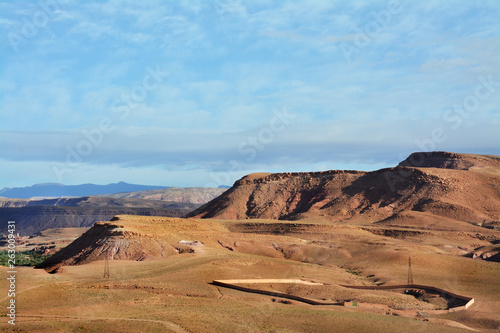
x: 446, y: 188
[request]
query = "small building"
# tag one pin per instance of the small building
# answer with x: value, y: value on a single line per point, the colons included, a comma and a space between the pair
x: 190, y: 243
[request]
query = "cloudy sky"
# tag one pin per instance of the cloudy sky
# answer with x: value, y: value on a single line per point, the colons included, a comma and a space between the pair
x: 199, y: 93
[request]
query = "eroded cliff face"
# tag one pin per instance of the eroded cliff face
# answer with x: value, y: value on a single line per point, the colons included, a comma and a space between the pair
x: 447, y: 191
x: 108, y: 239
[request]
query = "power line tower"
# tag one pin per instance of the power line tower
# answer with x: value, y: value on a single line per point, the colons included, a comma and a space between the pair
x: 106, y: 265
x: 410, y: 275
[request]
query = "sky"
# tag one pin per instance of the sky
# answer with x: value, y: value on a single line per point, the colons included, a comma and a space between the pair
x: 200, y: 93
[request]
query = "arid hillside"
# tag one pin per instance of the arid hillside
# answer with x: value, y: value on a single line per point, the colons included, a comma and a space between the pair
x: 196, y: 195
x: 128, y: 238
x: 164, y: 269
x: 436, y: 190
x: 446, y: 160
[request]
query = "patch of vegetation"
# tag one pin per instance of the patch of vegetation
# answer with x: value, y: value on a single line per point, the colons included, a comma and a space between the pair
x: 356, y: 272
x: 23, y: 258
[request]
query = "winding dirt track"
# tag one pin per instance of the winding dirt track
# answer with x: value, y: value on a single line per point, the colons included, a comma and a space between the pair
x: 30, y: 288
x: 170, y: 325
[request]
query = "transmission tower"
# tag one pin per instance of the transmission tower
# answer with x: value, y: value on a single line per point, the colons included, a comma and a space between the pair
x: 106, y: 265
x: 410, y: 275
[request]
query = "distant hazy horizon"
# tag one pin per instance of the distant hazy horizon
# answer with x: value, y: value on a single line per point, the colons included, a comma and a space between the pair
x: 200, y: 93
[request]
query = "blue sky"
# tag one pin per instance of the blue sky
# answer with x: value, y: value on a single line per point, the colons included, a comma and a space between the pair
x: 200, y: 93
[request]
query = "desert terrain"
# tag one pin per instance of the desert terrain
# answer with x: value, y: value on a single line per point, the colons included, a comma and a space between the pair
x: 300, y: 239
x: 162, y: 280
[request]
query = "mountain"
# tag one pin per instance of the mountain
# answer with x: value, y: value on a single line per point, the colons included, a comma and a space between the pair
x: 33, y: 216
x: 445, y: 191
x: 60, y: 190
x: 199, y: 195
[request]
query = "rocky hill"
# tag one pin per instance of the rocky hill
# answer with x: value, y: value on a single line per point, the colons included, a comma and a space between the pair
x: 445, y: 191
x: 130, y: 238
x: 446, y: 160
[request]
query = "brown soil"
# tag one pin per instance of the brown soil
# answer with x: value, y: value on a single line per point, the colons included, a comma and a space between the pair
x: 174, y: 286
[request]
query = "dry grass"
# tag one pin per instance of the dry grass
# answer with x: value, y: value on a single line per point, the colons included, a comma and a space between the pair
x: 175, y: 294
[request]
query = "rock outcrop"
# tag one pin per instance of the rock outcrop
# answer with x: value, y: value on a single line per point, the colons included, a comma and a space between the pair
x: 130, y: 238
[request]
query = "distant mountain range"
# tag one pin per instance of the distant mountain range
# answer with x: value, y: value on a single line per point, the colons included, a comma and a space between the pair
x: 60, y: 191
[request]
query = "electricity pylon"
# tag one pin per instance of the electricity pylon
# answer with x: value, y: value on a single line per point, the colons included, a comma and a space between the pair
x: 106, y: 265
x: 410, y: 275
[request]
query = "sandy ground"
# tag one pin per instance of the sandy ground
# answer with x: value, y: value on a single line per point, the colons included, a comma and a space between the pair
x: 174, y: 293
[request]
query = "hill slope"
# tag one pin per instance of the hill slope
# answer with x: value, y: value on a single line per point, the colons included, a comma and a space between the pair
x: 437, y: 195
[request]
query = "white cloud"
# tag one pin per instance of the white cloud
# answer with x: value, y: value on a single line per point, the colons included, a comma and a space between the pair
x: 229, y: 70
x: 6, y: 22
